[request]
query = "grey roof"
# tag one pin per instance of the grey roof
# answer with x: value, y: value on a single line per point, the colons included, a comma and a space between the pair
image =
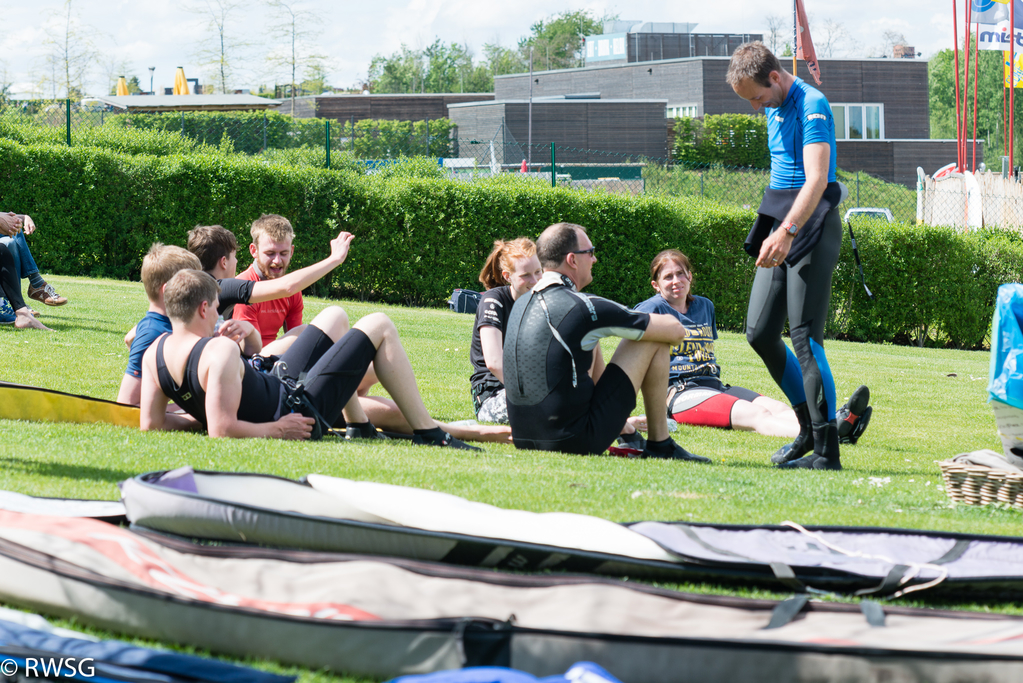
x: 556, y: 99
x: 188, y: 102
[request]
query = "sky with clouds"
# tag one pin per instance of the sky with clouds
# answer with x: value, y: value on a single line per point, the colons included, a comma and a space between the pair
x: 130, y: 36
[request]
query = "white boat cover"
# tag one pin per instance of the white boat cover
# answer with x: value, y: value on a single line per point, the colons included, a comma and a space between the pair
x: 339, y: 515
x: 385, y: 617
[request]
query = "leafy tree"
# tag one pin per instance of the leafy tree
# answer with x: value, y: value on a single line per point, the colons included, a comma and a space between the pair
x: 990, y: 89
x: 504, y: 60
x: 557, y: 41
x: 736, y: 140
x: 438, y: 68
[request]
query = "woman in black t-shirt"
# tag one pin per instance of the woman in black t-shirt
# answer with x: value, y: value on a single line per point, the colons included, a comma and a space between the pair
x: 510, y: 271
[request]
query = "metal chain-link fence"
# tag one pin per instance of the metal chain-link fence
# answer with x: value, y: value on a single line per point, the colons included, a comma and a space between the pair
x: 368, y: 145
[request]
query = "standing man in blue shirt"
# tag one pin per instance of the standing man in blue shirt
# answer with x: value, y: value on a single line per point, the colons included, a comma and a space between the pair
x: 795, y: 240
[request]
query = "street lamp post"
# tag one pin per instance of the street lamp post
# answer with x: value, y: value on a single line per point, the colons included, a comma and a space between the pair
x: 151, y: 70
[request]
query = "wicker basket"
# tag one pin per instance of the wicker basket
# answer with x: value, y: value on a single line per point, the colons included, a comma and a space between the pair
x: 978, y: 485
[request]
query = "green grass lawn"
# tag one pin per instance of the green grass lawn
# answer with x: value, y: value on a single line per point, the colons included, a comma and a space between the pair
x: 929, y: 404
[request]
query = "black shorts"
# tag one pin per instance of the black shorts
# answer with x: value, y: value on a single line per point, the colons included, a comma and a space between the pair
x: 331, y: 372
x: 613, y: 400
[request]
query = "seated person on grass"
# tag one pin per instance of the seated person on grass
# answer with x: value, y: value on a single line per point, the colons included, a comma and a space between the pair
x: 696, y: 394
x: 510, y: 271
x: 216, y: 249
x: 20, y: 315
x: 14, y: 239
x: 221, y: 393
x: 561, y: 396
x: 158, y: 267
x: 271, y: 250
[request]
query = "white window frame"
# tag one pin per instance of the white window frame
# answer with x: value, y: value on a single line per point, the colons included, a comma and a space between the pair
x: 844, y: 134
x: 673, y: 111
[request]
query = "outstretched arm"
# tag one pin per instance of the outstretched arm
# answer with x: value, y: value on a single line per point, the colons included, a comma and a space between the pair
x: 293, y: 283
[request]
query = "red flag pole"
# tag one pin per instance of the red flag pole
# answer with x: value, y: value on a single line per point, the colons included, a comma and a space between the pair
x: 976, y: 39
x: 955, y: 47
x: 1012, y: 86
x: 965, y: 120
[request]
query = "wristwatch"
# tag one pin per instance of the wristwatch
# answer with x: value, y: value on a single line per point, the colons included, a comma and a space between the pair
x: 789, y: 227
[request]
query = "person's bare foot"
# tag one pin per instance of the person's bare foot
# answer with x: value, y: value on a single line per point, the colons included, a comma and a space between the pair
x: 639, y: 422
x: 26, y: 321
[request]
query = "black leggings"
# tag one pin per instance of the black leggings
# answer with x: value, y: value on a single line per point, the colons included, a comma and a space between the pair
x: 801, y: 293
x: 9, y: 282
x: 329, y: 371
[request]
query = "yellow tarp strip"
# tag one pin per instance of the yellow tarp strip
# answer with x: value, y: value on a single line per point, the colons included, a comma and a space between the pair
x: 27, y: 403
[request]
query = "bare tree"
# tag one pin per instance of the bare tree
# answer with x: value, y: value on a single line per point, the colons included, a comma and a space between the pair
x: 296, y: 27
x: 889, y: 39
x: 70, y: 55
x: 777, y: 28
x: 831, y: 39
x: 220, y: 50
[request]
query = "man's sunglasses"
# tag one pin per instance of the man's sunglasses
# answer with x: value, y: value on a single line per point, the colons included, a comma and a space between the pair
x: 589, y: 251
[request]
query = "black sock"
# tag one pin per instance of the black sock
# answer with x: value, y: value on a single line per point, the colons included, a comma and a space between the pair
x: 432, y: 434
x: 366, y: 426
x: 665, y: 446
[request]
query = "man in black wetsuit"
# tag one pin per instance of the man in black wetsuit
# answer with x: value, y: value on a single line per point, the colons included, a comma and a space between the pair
x: 561, y: 396
x: 221, y: 393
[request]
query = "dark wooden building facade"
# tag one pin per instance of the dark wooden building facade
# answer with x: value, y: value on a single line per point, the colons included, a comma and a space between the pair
x: 585, y: 131
x: 408, y: 107
x: 881, y: 103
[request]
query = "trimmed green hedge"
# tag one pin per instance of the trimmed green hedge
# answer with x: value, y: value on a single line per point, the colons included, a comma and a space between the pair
x: 418, y: 238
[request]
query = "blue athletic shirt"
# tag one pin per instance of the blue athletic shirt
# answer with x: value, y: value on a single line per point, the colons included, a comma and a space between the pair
x: 803, y: 119
x: 146, y: 332
x: 694, y: 356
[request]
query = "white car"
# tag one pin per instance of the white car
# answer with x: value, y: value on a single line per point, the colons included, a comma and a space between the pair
x: 870, y: 212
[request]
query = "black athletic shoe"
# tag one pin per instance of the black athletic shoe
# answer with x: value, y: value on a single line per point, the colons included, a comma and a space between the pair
x: 825, y: 454
x: 675, y: 453
x: 447, y: 442
x: 362, y: 431
x: 854, y: 416
x: 802, y: 444
x: 634, y: 440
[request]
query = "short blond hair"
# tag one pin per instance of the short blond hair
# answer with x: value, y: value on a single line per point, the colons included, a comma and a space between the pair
x: 186, y: 290
x: 277, y: 228
x: 160, y: 265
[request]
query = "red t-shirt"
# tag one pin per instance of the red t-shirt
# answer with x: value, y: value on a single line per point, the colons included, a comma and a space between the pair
x: 269, y: 316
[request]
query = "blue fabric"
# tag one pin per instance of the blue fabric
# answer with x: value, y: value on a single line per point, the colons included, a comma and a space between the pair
x: 792, y: 379
x: 114, y: 660
x: 827, y: 379
x: 579, y: 672
x: 803, y: 119
x: 25, y: 265
x: 694, y: 357
x: 147, y: 331
x: 1006, y: 371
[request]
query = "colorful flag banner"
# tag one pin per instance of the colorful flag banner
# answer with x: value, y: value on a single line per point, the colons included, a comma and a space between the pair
x: 804, y: 45
x: 990, y: 23
x: 1018, y: 76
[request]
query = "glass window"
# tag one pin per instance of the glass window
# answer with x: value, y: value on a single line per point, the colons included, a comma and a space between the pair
x: 839, y: 114
x: 873, y: 122
x: 855, y: 123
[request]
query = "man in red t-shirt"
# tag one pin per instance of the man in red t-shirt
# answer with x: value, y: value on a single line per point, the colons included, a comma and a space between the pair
x: 271, y: 250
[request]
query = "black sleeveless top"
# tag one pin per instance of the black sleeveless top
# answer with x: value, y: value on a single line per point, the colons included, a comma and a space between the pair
x: 262, y: 394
